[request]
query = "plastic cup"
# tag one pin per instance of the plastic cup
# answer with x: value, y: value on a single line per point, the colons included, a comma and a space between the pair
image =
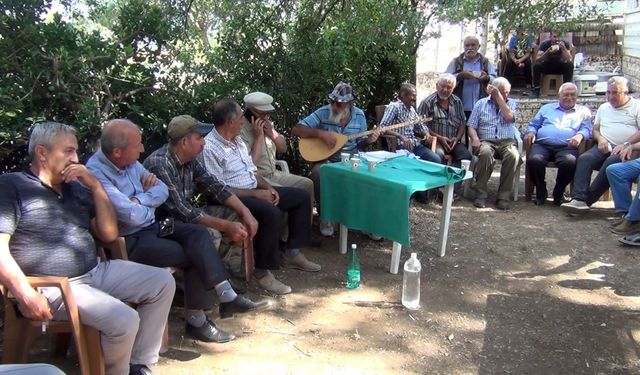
x: 372, y: 165
x: 355, y: 162
x: 465, y: 164
x: 344, y: 157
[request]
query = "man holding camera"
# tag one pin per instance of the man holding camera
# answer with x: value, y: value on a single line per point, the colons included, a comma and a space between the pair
x: 554, y: 57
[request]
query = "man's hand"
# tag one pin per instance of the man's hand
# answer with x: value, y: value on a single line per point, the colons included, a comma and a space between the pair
x: 328, y: 138
x: 250, y: 223
x: 78, y: 172
x: 574, y: 141
x: 475, y: 145
x: 236, y: 231
x: 483, y: 76
x: 466, y: 74
x: 603, y: 145
x: 275, y: 197
x: 34, y: 305
x: 148, y: 181
x: 374, y: 136
x: 528, y: 139
x: 493, y: 91
x: 408, y: 144
x: 627, y: 153
x: 444, y: 142
x: 268, y: 195
x: 257, y: 126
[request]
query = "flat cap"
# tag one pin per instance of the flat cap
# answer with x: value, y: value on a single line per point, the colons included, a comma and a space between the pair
x: 185, y: 124
x: 259, y: 100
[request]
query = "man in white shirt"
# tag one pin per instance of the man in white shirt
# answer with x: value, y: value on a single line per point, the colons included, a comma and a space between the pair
x: 616, y: 126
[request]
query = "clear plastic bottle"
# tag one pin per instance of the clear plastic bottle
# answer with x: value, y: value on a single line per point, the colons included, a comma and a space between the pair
x: 353, y: 269
x: 411, y: 283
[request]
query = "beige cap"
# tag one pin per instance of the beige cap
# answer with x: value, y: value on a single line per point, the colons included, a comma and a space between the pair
x: 259, y: 100
x: 185, y: 124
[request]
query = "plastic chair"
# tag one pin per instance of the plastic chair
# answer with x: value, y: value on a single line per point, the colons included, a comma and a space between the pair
x: 19, y: 332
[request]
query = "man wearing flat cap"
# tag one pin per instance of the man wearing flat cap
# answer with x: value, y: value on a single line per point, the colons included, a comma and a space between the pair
x: 339, y: 116
x: 264, y: 142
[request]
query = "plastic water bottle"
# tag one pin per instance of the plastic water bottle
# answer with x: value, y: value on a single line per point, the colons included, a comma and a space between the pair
x: 353, y: 269
x: 411, y: 283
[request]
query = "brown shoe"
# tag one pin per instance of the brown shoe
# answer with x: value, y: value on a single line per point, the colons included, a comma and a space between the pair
x: 626, y: 227
x: 617, y: 221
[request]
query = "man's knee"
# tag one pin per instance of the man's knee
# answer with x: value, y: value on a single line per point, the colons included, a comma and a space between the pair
x: 537, y: 161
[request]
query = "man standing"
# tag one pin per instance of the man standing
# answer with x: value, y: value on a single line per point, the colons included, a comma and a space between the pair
x: 473, y: 73
x: 264, y: 142
x: 554, y: 134
x: 226, y: 155
x: 448, y: 119
x: 135, y: 194
x: 617, y: 124
x: 47, y: 216
x: 339, y: 116
x: 404, y: 110
x: 553, y: 57
x: 492, y: 131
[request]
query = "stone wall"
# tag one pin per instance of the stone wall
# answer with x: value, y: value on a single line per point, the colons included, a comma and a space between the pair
x: 529, y: 107
x: 631, y: 70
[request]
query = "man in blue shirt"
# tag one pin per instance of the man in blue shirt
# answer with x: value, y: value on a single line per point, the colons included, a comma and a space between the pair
x: 493, y: 135
x: 519, y: 56
x: 339, y: 116
x: 135, y: 194
x: 554, y: 134
x: 473, y: 72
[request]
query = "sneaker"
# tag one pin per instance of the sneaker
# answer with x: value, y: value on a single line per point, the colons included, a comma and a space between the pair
x: 373, y: 237
x: 575, y: 206
x: 270, y: 284
x: 326, y: 228
x: 300, y: 262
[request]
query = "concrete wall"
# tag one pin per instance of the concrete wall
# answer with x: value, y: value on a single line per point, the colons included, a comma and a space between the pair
x: 529, y: 107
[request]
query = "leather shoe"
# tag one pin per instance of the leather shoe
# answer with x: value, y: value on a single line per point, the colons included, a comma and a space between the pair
x: 208, y: 333
x: 503, y: 204
x: 479, y: 202
x: 241, y: 305
x: 139, y: 370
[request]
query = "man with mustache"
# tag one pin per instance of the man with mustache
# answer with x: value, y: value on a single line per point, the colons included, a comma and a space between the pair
x: 473, y: 72
x: 339, y: 116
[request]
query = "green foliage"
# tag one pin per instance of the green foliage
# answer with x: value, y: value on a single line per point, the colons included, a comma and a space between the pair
x: 150, y: 60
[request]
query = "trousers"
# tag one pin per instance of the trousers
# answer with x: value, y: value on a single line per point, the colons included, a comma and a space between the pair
x: 621, y: 176
x: 585, y: 190
x: 565, y: 158
x: 127, y: 335
x: 189, y: 248
x: 504, y: 149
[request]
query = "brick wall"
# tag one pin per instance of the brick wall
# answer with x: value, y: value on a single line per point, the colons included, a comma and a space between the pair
x: 529, y: 107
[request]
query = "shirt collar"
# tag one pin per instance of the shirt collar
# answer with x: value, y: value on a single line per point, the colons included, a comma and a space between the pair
x: 214, y: 133
x: 559, y: 107
x: 102, y: 159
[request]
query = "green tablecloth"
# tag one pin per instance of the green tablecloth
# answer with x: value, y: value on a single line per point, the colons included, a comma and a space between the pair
x: 378, y: 202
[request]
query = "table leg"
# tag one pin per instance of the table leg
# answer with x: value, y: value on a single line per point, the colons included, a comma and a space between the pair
x: 444, y: 219
x: 344, y: 231
x: 395, y: 258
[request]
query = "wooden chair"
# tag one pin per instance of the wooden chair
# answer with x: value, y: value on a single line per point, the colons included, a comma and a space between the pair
x: 528, y: 180
x: 19, y: 332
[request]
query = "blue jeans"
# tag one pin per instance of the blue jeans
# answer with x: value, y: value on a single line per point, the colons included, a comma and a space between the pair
x: 621, y: 176
x: 425, y: 153
x: 585, y: 190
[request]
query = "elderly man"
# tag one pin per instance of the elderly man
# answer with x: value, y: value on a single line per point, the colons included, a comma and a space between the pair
x: 492, y: 132
x: 553, y: 57
x: 519, y: 52
x: 135, y: 193
x: 339, y: 116
x: 48, y: 214
x: 226, y: 155
x: 554, y: 134
x: 621, y: 176
x: 448, y: 119
x: 404, y: 110
x: 473, y: 72
x: 264, y: 142
x: 616, y: 125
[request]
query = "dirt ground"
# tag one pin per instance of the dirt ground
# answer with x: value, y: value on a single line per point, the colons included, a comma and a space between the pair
x: 526, y: 291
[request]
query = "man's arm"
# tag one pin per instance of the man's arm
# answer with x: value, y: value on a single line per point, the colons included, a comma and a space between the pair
x: 32, y: 304
x: 263, y: 191
x: 505, y: 110
x: 236, y: 231
x: 303, y: 131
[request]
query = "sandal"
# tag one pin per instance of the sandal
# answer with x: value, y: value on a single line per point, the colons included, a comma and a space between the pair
x: 632, y: 239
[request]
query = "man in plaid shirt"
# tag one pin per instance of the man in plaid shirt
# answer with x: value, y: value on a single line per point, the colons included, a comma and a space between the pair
x: 404, y: 110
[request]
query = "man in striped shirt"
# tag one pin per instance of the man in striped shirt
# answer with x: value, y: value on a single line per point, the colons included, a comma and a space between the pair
x: 492, y: 132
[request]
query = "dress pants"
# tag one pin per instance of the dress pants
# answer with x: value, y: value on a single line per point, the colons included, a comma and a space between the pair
x: 490, y: 150
x: 297, y: 204
x: 189, y: 248
x: 621, y: 176
x: 127, y: 335
x: 565, y: 159
x: 585, y: 190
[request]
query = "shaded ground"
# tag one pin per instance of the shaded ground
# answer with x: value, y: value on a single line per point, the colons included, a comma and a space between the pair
x: 527, y: 291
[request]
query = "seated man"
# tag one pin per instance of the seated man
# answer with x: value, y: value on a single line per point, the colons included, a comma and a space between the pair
x: 178, y: 165
x: 519, y: 56
x: 553, y: 57
x: 621, y: 177
x: 225, y: 155
x: 448, y: 119
x: 47, y: 216
x: 617, y: 124
x: 264, y: 141
x: 339, y: 116
x: 554, y: 134
x: 403, y: 110
x: 492, y: 128
x: 135, y: 193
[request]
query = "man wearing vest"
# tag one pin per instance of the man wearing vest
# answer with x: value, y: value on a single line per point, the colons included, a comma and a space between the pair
x: 473, y: 72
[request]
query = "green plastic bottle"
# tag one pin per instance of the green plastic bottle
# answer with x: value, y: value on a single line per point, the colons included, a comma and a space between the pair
x: 353, y: 269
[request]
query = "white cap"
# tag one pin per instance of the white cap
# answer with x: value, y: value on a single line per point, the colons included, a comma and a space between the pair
x: 260, y: 101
